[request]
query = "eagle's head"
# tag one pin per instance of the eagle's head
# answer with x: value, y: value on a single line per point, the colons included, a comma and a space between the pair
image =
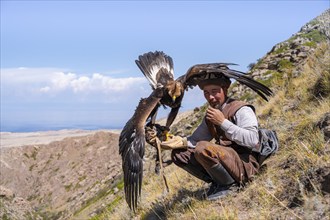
x: 175, y: 89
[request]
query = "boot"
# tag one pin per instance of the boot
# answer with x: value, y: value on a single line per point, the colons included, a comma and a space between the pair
x: 220, y: 184
x: 198, y: 173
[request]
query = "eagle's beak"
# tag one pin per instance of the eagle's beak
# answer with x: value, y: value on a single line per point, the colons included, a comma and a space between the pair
x: 173, y: 98
x: 168, y: 135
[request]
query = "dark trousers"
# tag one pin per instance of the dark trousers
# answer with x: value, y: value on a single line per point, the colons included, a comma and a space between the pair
x: 206, y: 154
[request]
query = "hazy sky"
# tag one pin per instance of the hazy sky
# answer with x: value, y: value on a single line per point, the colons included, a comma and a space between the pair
x: 70, y: 64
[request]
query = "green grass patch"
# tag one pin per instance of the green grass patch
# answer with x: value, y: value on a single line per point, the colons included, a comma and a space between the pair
x: 310, y: 44
x: 108, y: 209
x: 119, y: 183
x: 34, y: 154
x: 274, y: 76
x: 31, y: 167
x: 281, y: 49
x: 68, y: 187
x: 247, y: 96
x: 285, y: 64
x: 81, y: 178
x: 315, y: 36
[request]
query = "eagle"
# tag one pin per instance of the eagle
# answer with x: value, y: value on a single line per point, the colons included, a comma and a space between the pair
x: 167, y: 91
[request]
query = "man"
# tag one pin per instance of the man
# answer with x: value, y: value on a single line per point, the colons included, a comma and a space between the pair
x: 234, y: 126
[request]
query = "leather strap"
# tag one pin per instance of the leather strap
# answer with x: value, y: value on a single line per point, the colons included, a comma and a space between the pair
x: 161, y: 164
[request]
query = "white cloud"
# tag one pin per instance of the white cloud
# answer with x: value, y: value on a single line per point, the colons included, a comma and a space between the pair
x: 45, y: 89
x: 81, y: 84
x: 61, y: 81
x: 24, y: 75
x: 96, y: 83
x: 54, y: 81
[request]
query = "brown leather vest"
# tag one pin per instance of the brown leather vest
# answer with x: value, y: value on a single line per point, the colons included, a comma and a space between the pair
x: 230, y: 109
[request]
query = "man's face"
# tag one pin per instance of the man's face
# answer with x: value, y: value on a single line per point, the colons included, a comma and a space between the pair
x: 214, y: 94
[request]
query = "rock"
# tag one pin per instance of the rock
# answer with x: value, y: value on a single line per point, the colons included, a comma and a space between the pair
x: 196, y: 109
x: 324, y: 125
x: 263, y: 66
x: 6, y: 193
x: 302, y: 55
x: 272, y: 65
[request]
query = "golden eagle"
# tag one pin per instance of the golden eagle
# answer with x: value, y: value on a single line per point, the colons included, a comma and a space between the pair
x: 158, y: 69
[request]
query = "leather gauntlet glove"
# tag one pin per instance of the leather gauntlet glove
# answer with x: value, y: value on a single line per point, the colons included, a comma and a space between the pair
x: 174, y: 142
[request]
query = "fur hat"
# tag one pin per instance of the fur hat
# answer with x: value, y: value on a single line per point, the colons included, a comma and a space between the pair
x: 221, y: 80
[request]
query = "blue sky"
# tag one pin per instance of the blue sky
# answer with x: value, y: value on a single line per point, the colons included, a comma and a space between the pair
x: 70, y: 64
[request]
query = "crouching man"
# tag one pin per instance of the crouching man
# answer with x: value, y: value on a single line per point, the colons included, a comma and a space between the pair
x: 231, y: 160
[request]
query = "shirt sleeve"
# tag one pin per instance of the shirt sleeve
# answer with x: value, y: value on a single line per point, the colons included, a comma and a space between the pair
x: 200, y: 134
x: 245, y: 132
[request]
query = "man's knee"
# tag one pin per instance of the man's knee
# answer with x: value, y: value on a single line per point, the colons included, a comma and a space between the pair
x: 206, y: 151
x: 201, y: 147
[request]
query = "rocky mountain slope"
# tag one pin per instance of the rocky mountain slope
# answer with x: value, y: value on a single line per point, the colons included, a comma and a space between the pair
x: 80, y: 177
x: 56, y: 180
x: 286, y: 58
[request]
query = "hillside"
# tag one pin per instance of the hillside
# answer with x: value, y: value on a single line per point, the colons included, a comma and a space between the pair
x: 293, y: 184
x: 79, y: 177
x: 55, y: 180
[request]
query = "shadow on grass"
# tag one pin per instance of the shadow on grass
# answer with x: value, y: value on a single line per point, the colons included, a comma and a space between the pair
x: 181, y: 201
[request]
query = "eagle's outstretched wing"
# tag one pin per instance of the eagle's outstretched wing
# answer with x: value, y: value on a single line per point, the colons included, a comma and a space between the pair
x: 157, y: 67
x: 200, y: 72
x: 132, y: 145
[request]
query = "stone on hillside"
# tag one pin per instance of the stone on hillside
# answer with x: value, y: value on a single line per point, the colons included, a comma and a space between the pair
x: 272, y: 65
x: 324, y: 125
x: 263, y: 66
x: 6, y: 193
x: 196, y: 109
x: 188, y: 126
x: 302, y: 55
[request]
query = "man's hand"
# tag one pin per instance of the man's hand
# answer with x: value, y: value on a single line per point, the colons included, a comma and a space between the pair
x: 215, y: 116
x: 174, y: 142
